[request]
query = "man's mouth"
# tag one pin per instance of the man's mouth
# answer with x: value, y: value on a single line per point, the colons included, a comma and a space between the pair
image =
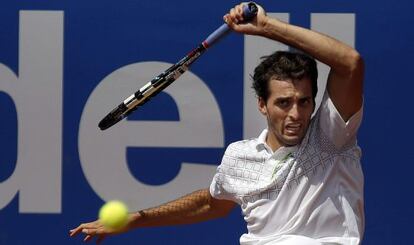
x: 293, y: 128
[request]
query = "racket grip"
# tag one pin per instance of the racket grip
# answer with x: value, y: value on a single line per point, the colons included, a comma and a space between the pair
x: 249, y: 12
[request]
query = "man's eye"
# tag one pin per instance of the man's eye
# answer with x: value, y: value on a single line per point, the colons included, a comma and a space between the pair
x: 283, y: 103
x: 305, y: 101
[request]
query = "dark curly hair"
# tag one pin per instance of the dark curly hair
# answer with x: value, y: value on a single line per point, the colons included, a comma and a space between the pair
x: 283, y: 65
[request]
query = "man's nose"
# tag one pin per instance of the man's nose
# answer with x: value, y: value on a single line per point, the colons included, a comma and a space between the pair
x: 294, y: 112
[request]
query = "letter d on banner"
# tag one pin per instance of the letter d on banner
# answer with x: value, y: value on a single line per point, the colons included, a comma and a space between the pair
x: 37, y: 95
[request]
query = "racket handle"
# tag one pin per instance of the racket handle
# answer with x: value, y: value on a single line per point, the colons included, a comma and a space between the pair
x: 249, y: 12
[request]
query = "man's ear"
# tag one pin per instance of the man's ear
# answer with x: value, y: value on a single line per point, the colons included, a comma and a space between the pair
x: 261, y: 104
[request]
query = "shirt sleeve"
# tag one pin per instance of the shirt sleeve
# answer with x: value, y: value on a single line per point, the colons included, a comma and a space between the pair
x: 216, y: 188
x: 332, y: 124
x: 221, y: 187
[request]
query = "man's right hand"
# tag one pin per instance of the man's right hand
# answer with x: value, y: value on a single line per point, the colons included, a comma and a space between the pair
x: 98, y: 230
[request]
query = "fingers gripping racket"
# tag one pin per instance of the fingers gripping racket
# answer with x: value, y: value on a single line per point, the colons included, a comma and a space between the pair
x: 160, y: 82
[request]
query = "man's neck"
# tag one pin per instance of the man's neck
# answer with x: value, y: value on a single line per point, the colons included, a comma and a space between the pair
x: 272, y: 142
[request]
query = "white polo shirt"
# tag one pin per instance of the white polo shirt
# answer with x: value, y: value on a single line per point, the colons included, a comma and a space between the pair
x: 308, y: 194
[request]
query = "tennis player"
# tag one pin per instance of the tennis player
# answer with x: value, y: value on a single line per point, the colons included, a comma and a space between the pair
x: 300, y: 181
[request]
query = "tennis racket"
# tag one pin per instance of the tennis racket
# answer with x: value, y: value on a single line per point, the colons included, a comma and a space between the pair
x: 160, y: 82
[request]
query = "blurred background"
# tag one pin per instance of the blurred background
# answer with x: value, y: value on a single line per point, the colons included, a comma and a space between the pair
x: 65, y: 64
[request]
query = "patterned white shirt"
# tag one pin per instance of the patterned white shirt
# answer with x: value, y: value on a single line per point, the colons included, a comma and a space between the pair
x: 308, y: 194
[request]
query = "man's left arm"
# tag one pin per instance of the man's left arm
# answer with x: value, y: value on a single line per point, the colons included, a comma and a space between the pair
x: 345, y: 80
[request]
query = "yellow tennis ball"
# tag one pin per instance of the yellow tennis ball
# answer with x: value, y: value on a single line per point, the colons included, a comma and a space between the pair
x: 114, y: 214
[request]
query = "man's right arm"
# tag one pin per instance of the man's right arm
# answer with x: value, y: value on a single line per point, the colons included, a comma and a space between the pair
x: 196, y: 207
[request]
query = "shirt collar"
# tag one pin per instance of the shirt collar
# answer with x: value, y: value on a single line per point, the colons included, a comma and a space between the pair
x: 261, y: 140
x: 262, y: 145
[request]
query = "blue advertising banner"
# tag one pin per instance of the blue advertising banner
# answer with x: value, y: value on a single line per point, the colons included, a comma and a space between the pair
x: 65, y: 64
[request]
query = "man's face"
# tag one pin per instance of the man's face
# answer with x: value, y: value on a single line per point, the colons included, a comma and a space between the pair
x: 288, y: 110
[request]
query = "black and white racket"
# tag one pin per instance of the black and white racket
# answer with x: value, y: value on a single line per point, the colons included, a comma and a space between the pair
x: 160, y: 82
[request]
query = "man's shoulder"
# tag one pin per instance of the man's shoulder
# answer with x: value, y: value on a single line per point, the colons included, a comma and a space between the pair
x: 329, y: 127
x: 243, y: 145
